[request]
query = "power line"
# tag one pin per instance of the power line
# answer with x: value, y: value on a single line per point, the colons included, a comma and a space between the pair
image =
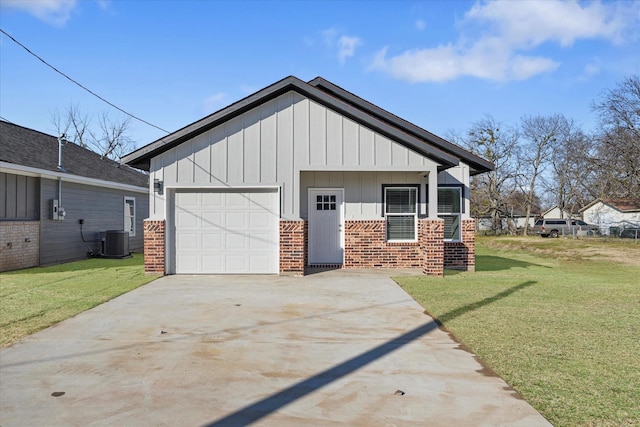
x: 83, y: 87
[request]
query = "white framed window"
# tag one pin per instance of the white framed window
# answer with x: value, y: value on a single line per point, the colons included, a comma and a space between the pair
x: 401, y: 213
x: 450, y: 209
x: 130, y: 215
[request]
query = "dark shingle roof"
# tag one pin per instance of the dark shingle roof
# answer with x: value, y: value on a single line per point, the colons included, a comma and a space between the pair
x: 28, y: 147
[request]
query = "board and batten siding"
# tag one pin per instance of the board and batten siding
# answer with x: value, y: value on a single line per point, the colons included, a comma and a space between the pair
x: 101, y: 209
x: 19, y: 197
x: 272, y: 144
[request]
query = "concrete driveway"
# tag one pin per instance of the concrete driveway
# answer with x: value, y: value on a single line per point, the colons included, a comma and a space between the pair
x: 335, y: 348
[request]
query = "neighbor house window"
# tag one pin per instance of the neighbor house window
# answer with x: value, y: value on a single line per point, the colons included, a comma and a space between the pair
x: 130, y: 215
x: 450, y: 209
x: 401, y: 213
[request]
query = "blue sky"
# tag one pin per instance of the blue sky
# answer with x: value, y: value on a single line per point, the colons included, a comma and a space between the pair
x: 439, y: 64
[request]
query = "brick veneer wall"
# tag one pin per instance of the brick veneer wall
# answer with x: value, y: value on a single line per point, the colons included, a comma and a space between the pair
x: 366, y: 247
x: 154, y: 246
x: 293, y: 247
x: 19, y: 244
x: 462, y: 255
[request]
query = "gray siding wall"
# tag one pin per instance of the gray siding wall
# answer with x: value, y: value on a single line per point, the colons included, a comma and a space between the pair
x: 270, y: 146
x: 101, y: 209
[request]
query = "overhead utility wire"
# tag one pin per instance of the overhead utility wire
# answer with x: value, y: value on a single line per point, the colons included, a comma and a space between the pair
x: 83, y: 87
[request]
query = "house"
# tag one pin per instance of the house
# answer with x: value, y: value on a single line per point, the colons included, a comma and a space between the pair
x: 556, y: 212
x: 60, y: 202
x: 612, y: 214
x: 305, y: 174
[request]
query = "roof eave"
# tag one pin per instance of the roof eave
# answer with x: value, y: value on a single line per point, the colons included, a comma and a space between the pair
x: 478, y: 164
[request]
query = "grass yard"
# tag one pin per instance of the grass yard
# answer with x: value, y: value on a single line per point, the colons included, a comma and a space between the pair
x: 36, y: 298
x: 555, y: 320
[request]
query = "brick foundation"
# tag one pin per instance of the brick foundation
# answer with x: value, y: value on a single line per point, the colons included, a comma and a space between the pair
x: 293, y: 247
x: 462, y: 255
x: 154, y: 242
x: 19, y: 245
x: 365, y: 246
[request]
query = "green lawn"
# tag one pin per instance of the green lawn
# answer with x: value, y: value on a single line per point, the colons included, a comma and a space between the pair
x: 35, y: 298
x: 564, y: 332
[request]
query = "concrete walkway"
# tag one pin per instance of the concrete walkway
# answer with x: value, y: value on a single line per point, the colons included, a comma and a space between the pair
x: 334, y: 348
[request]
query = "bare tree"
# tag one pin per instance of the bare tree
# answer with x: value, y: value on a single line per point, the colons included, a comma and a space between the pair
x: 489, y: 139
x: 572, y: 171
x: 112, y: 141
x: 618, y: 140
x: 541, y: 134
x: 109, y: 139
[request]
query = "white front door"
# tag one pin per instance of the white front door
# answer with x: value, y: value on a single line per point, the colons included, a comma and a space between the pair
x: 325, y: 226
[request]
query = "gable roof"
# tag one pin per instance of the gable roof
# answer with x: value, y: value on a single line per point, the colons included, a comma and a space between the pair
x: 622, y: 205
x: 477, y: 164
x: 335, y: 98
x: 21, y: 146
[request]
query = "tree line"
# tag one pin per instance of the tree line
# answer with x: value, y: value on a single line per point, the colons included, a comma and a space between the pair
x: 549, y: 160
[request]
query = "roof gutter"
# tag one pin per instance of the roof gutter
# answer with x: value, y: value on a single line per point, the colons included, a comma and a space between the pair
x: 47, y: 174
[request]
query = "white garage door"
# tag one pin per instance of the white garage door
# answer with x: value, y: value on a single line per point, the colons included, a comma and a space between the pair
x: 226, y: 232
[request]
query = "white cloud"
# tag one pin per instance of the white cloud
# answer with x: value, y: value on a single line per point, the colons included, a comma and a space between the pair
x: 344, y: 44
x: 53, y: 12
x: 214, y: 102
x: 496, y: 37
x: 347, y: 47
x: 420, y: 25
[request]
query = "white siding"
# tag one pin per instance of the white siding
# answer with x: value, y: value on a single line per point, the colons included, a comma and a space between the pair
x: 272, y: 144
x: 605, y: 216
x: 362, y: 190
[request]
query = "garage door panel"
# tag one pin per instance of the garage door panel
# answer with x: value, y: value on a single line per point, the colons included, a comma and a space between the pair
x: 187, y: 219
x: 212, y: 199
x: 236, y: 221
x: 188, y: 200
x: 260, y: 241
x: 212, y: 219
x: 213, y: 262
x: 236, y: 200
x: 212, y: 241
x: 188, y: 241
x: 236, y: 242
x: 226, y: 232
x: 260, y: 220
x: 260, y: 262
x: 188, y: 262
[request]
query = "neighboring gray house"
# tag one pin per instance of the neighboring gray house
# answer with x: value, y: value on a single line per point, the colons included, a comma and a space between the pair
x: 42, y: 205
x: 305, y: 174
x: 612, y: 214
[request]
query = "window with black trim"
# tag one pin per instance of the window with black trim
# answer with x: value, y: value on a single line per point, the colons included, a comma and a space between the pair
x: 401, y: 213
x: 450, y: 209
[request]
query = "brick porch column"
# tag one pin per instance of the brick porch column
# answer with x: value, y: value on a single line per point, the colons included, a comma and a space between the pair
x: 154, y: 246
x: 293, y: 253
x: 432, y: 243
x: 469, y: 240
